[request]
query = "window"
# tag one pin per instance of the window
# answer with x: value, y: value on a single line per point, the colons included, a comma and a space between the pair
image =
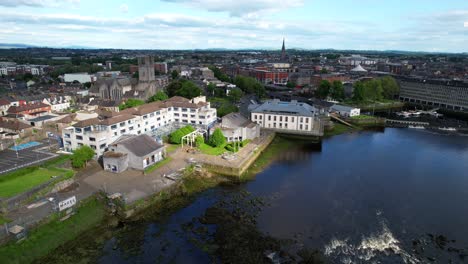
x: 78, y: 130
x: 113, y: 127
x: 152, y: 114
x: 122, y: 131
x: 92, y: 139
x: 274, y: 118
x: 281, y: 119
x: 115, y: 133
x: 130, y: 128
x: 102, y: 146
x: 269, y: 118
x: 285, y: 119
x: 122, y: 124
x: 192, y: 116
x: 93, y: 146
x: 255, y: 117
x: 176, y: 114
x: 79, y: 137
x: 292, y: 119
x: 184, y: 115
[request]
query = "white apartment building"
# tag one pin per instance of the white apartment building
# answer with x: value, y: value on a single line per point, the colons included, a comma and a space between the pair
x: 99, y: 132
x: 287, y: 117
x: 79, y: 77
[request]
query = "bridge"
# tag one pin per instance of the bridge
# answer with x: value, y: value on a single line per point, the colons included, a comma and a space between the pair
x: 406, y: 122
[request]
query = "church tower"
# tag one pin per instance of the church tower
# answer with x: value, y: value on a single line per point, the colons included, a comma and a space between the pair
x: 146, y: 69
x: 283, y: 52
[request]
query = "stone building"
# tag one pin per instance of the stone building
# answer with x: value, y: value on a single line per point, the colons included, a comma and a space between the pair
x: 235, y: 127
x: 132, y: 151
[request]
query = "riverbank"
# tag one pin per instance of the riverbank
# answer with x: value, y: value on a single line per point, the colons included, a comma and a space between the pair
x: 86, y: 241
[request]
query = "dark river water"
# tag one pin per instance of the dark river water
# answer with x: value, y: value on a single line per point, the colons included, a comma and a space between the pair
x: 368, y: 197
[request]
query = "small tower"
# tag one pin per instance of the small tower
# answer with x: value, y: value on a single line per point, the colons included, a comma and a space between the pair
x: 283, y: 52
x: 146, y: 68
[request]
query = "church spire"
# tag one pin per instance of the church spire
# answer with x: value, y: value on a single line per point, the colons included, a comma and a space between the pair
x: 283, y: 52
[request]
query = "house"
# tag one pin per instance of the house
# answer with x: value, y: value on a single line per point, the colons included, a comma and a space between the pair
x: 287, y: 117
x: 8, y: 127
x: 235, y: 127
x: 4, y: 105
x: 132, y: 151
x: 30, y: 109
x: 345, y: 111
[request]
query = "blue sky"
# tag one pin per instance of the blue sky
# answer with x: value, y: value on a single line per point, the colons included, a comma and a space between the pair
x: 415, y: 25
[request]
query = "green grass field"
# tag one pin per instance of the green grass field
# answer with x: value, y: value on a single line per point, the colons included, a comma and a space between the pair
x: 45, y: 238
x: 362, y: 117
x: 209, y: 150
x: 158, y: 165
x: 171, y: 148
x: 22, y: 180
x: 338, y: 129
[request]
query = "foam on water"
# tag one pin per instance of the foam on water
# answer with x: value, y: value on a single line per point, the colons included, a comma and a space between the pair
x: 369, y: 249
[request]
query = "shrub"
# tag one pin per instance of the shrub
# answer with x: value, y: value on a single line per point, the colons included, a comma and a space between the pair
x: 176, y: 136
x: 199, y: 141
x: 81, y: 156
x: 217, y: 139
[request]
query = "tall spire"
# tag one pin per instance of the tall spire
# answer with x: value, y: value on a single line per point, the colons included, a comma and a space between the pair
x: 283, y: 52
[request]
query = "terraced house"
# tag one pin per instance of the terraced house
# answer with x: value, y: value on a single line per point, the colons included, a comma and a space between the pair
x: 109, y: 126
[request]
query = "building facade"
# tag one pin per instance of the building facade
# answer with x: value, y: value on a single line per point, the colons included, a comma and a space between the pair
x: 100, y: 132
x: 131, y: 151
x: 288, y: 117
x: 437, y: 93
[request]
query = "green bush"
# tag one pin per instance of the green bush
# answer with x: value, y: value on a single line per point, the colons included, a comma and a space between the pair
x: 176, y: 136
x: 199, y: 141
x: 81, y: 156
x: 217, y: 139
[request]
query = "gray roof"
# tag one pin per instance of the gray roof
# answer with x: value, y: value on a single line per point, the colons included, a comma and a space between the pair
x: 342, y: 108
x: 286, y: 108
x: 42, y: 118
x: 140, y: 145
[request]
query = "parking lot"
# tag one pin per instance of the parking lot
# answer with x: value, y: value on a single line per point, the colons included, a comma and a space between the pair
x: 11, y: 160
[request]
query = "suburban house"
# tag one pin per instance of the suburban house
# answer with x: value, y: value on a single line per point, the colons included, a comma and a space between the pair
x: 345, y: 111
x: 287, y: 117
x: 99, y: 132
x: 12, y: 128
x: 132, y: 151
x: 4, y: 105
x: 235, y: 127
x: 34, y: 109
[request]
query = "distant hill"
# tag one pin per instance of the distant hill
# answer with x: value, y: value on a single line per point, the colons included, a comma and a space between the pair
x: 15, y: 46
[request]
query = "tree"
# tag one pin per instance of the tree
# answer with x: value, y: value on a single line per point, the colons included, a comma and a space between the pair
x: 390, y: 87
x: 337, y: 90
x: 324, y: 89
x: 250, y: 85
x: 173, y: 87
x: 235, y: 95
x: 219, y: 74
x: 136, y: 75
x: 189, y: 90
x: 174, y: 74
x: 131, y: 103
x: 358, y: 91
x: 159, y: 96
x: 210, y: 88
x: 290, y: 84
x: 81, y: 156
x: 217, y: 139
x: 324, y: 71
x: 176, y: 136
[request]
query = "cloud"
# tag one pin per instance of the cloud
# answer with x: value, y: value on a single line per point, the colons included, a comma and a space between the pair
x: 37, y: 3
x: 247, y: 8
x: 466, y: 24
x: 123, y: 8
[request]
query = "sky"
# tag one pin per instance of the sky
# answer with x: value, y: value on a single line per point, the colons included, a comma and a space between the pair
x: 412, y: 25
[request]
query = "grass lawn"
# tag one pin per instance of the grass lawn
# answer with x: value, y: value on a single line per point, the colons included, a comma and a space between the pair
x: 171, y: 147
x: 362, y: 117
x: 209, y: 150
x: 22, y: 180
x: 3, y: 220
x: 45, y: 238
x: 158, y: 165
x: 338, y: 129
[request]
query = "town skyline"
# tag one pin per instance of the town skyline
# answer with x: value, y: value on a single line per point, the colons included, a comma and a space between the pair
x: 258, y: 24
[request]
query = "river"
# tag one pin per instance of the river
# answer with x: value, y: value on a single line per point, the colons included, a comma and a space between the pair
x: 398, y: 196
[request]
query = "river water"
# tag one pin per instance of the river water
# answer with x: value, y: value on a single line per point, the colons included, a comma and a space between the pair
x: 398, y: 196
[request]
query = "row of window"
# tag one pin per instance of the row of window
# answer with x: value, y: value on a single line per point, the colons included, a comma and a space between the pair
x: 281, y: 119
